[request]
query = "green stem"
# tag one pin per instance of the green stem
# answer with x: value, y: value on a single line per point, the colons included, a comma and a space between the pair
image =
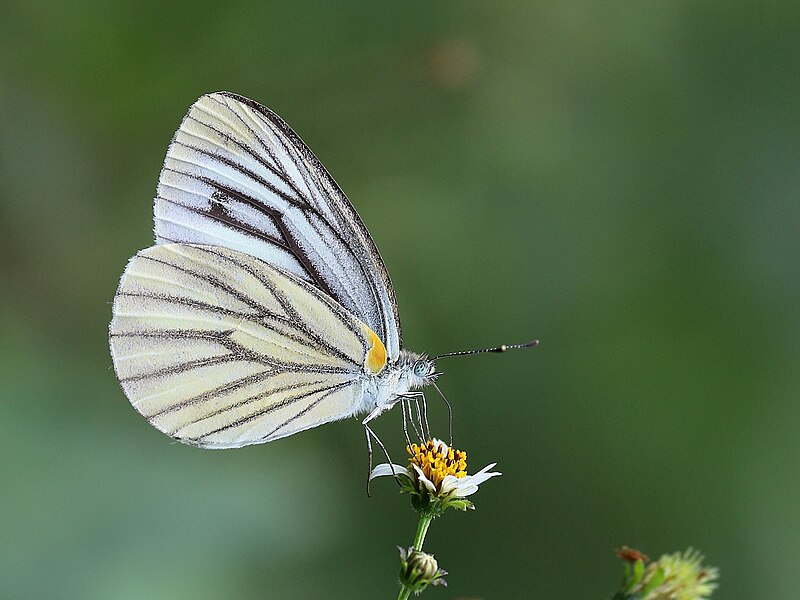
x: 419, y: 539
x: 422, y: 529
x: 405, y: 592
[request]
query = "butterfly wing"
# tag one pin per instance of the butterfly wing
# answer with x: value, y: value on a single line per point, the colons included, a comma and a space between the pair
x: 219, y: 349
x: 237, y: 176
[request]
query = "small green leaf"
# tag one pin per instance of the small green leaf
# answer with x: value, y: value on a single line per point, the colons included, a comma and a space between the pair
x: 634, y: 577
x: 638, y: 571
x: 656, y: 580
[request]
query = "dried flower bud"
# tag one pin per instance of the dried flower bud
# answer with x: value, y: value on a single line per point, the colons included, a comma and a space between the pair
x: 631, y: 555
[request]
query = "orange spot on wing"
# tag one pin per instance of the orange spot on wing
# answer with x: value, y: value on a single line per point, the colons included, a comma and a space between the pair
x: 375, y: 359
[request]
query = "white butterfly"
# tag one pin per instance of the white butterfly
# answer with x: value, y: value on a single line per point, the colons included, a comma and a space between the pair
x: 264, y: 308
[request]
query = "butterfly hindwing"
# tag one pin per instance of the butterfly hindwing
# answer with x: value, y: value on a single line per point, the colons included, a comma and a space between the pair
x: 237, y: 176
x: 219, y: 349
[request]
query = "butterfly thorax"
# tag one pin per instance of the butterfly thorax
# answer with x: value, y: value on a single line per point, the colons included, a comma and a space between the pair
x: 411, y: 371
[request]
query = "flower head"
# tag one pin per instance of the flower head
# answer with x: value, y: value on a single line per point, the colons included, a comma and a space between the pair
x: 685, y: 577
x: 436, y: 476
x: 678, y: 576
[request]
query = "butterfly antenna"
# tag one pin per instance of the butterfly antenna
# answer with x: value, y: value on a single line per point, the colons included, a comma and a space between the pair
x: 500, y: 348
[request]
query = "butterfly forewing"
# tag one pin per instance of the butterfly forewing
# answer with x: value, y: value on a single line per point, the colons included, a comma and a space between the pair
x: 219, y: 349
x: 237, y: 176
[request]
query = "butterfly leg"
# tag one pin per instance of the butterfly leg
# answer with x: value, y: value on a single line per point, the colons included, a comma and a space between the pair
x: 405, y: 421
x: 422, y: 422
x: 421, y: 405
x: 371, y: 434
x: 425, y: 423
x: 406, y: 404
x: 369, y: 457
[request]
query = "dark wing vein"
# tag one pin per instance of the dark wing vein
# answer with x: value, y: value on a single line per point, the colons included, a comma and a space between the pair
x: 274, y: 168
x: 278, y: 405
x: 295, y: 318
x: 307, y: 408
x: 217, y: 212
x: 249, y: 400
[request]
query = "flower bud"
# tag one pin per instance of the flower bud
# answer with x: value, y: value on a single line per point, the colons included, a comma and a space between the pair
x: 419, y: 570
x: 423, y: 564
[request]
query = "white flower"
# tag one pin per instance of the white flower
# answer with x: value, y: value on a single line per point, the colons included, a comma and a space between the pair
x: 685, y: 577
x: 678, y: 576
x: 438, y: 471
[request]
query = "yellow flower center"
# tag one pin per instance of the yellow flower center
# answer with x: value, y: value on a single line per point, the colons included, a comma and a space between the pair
x: 437, y: 461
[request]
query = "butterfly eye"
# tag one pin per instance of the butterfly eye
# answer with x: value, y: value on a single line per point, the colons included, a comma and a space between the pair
x: 420, y: 368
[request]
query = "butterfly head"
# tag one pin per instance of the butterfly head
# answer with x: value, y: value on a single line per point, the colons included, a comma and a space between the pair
x: 417, y: 369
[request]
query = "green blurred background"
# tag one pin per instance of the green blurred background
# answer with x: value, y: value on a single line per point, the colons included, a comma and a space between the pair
x: 619, y: 180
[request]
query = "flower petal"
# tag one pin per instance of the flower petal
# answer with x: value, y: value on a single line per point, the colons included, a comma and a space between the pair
x: 440, y: 444
x: 466, y: 490
x: 421, y: 477
x: 463, y: 487
x: 451, y: 483
x: 482, y: 475
x: 384, y: 469
x: 466, y: 486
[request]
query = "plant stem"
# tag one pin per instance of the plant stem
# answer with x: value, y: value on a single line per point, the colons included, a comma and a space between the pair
x: 422, y: 529
x: 419, y: 539
x: 405, y: 592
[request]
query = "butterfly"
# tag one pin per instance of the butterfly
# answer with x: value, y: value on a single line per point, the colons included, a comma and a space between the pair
x: 264, y: 308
